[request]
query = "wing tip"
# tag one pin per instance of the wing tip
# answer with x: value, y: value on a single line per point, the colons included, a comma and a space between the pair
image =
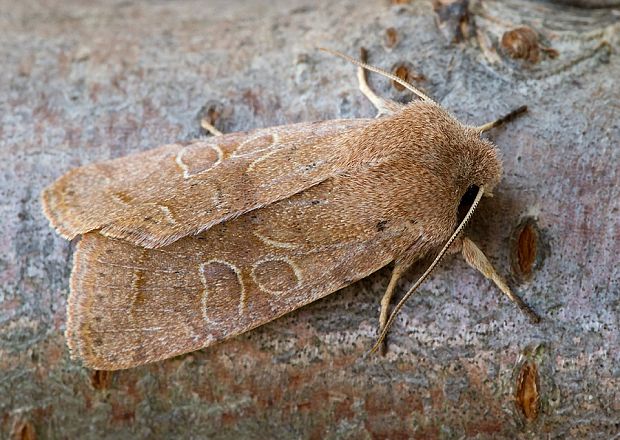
x: 52, y: 205
x: 76, y: 329
x: 78, y: 332
x: 81, y: 329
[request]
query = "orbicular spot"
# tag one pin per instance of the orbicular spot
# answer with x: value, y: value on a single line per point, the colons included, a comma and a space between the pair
x: 276, y: 275
x: 223, y: 292
x: 198, y: 158
x: 254, y: 144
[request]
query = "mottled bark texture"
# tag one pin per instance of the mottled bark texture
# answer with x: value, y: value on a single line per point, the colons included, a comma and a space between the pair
x: 82, y: 82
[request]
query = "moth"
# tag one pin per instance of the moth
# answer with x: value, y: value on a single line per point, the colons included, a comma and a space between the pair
x: 188, y: 244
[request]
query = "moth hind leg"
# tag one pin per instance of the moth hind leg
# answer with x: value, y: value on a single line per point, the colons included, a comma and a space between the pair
x: 383, y: 106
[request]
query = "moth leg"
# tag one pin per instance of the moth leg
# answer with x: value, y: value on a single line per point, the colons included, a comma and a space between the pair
x: 209, y: 127
x: 501, y: 121
x: 383, y: 106
x: 397, y: 272
x: 476, y: 259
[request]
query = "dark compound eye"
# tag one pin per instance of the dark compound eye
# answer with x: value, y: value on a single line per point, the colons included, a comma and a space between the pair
x: 466, y: 201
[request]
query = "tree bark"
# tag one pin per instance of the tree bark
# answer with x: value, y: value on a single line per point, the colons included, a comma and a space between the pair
x: 86, y: 82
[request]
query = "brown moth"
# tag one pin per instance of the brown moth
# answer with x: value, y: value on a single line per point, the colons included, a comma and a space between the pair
x: 186, y: 245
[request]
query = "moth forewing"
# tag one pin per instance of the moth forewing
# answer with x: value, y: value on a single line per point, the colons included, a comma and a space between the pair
x: 130, y: 305
x: 156, y: 197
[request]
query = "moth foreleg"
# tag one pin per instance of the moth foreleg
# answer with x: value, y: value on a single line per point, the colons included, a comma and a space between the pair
x: 209, y: 127
x: 384, y: 106
x: 397, y: 272
x: 476, y: 259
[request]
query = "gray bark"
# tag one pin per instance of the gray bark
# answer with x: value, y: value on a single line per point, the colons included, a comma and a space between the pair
x: 82, y: 82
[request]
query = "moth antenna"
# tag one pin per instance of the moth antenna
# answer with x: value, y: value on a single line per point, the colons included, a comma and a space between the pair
x: 435, y: 262
x: 393, y: 77
x: 501, y: 121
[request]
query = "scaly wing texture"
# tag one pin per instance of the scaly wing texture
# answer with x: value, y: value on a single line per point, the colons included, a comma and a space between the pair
x: 156, y: 197
x: 131, y: 305
x: 367, y: 205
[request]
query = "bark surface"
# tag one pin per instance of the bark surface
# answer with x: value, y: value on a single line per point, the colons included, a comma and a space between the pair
x: 82, y: 83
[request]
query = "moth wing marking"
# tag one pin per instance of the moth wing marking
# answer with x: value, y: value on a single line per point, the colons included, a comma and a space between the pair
x: 187, y: 174
x: 261, y: 159
x: 270, y: 138
x: 275, y: 243
x: 198, y: 291
x: 276, y: 285
x: 211, y: 286
x: 167, y: 213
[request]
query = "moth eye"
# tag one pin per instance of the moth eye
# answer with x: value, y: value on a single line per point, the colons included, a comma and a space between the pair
x: 466, y: 201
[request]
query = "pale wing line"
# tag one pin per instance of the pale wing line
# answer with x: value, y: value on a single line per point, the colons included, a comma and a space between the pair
x: 275, y: 140
x: 209, y: 339
x: 341, y: 125
x: 203, y: 278
x: 286, y: 176
x: 186, y: 173
x: 141, y: 309
x: 179, y: 160
x: 261, y: 159
x: 167, y: 213
x: 220, y: 156
x: 296, y: 271
x: 274, y: 243
x: 137, y: 330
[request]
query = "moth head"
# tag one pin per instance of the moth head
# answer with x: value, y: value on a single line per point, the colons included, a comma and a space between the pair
x: 485, y: 166
x: 479, y: 167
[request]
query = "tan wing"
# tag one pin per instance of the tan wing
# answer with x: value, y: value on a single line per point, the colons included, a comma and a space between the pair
x: 130, y: 305
x: 154, y: 198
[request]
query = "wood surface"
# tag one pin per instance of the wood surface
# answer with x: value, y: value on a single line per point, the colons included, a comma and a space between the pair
x: 83, y: 82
